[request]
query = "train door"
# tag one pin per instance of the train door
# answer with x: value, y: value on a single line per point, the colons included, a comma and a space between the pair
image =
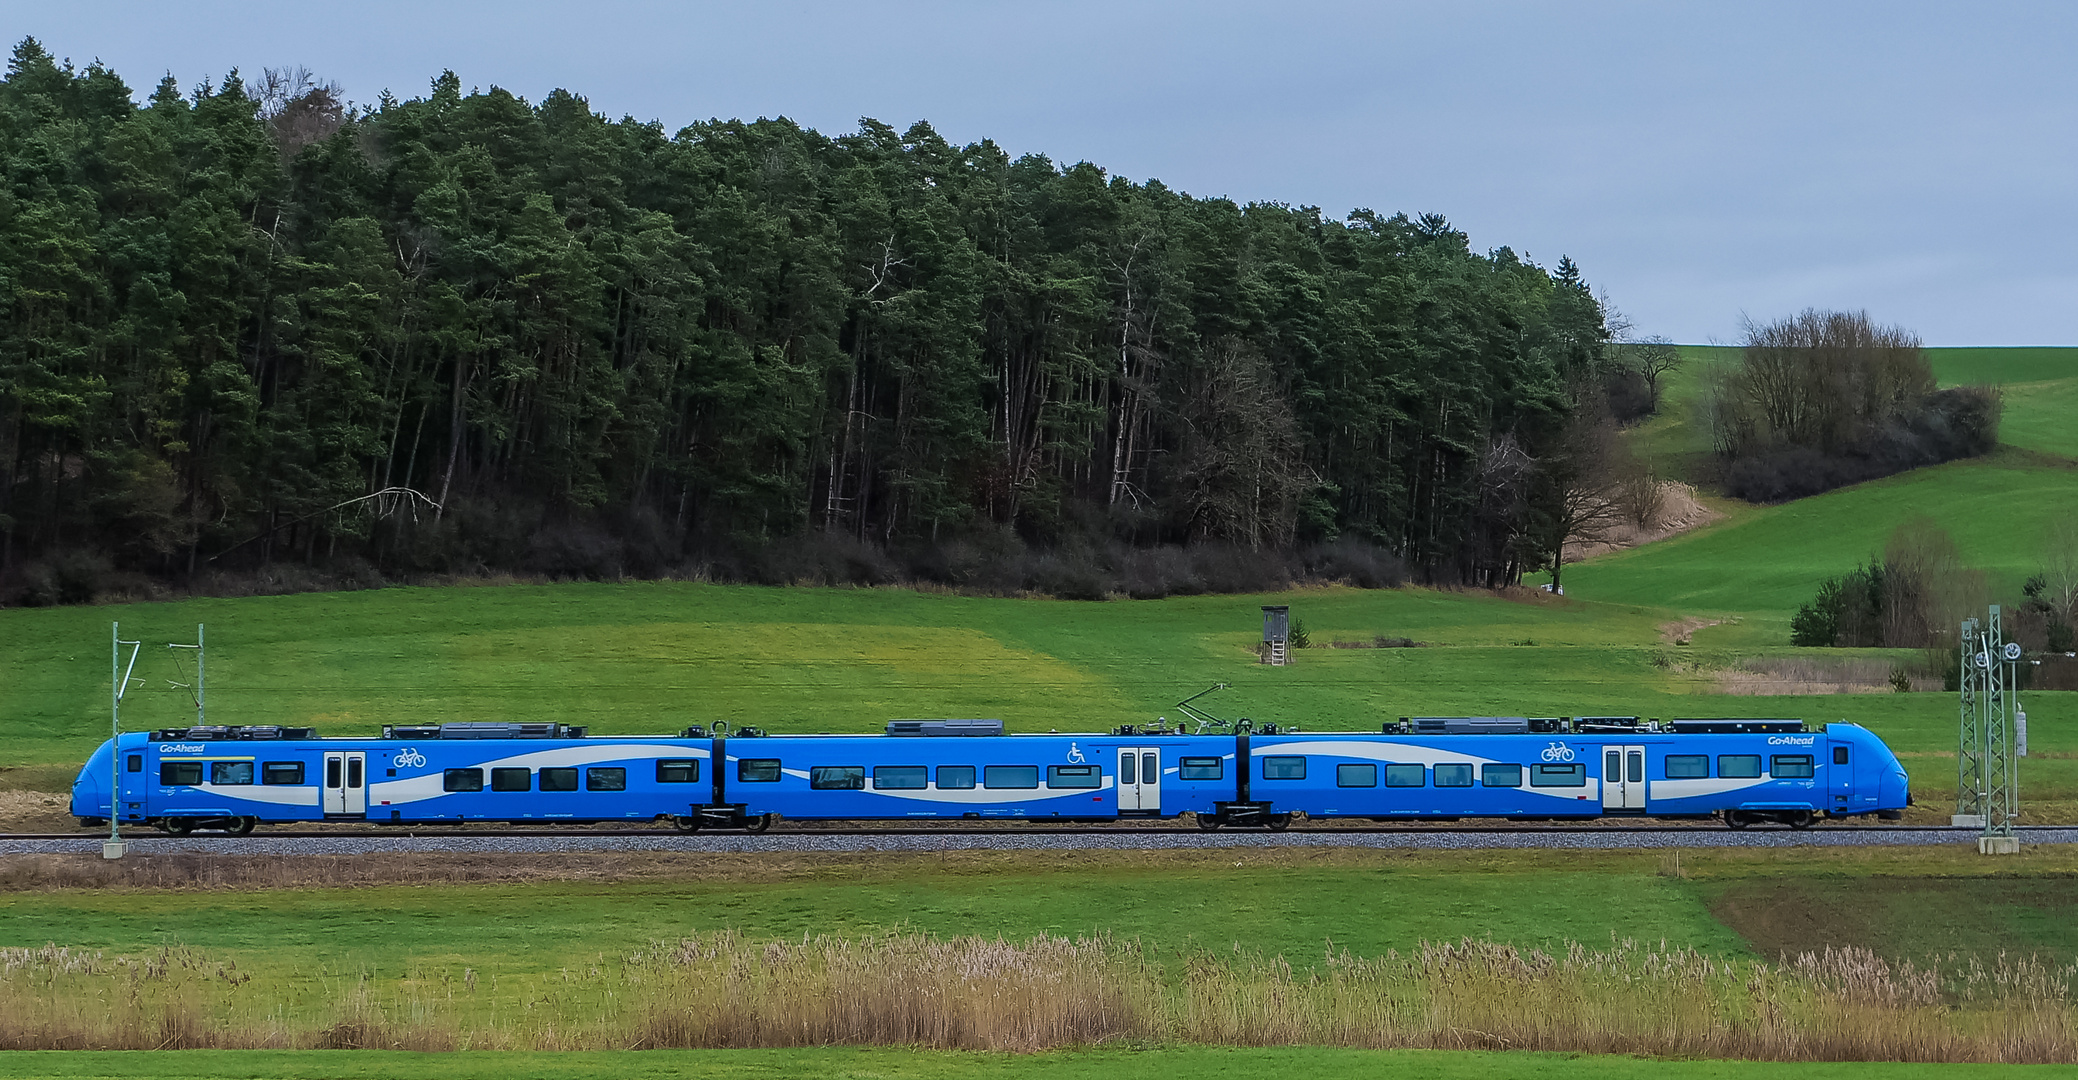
x: 1623, y: 778
x: 1840, y: 776
x: 1139, y: 780
x: 346, y: 783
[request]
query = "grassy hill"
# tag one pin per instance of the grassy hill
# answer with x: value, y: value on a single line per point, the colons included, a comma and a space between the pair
x: 1765, y: 560
x: 1648, y: 631
x: 656, y: 656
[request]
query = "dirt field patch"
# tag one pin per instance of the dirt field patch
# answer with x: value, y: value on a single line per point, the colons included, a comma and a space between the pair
x: 1912, y: 918
x: 1680, y: 630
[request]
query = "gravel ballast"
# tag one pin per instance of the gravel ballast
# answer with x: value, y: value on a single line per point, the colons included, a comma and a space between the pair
x: 738, y: 843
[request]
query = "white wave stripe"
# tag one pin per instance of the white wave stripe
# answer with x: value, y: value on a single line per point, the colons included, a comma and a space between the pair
x: 1391, y: 753
x: 432, y: 785
x: 274, y: 795
x: 1701, y: 787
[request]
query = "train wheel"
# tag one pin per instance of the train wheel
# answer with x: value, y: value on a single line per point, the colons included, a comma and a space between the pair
x: 241, y: 826
x: 758, y: 824
x: 686, y: 824
x: 1208, y: 822
x: 1803, y: 819
x: 178, y: 826
x: 1278, y: 822
x: 1736, y: 819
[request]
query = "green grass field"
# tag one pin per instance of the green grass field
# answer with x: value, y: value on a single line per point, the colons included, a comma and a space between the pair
x: 653, y: 657
x: 1900, y: 903
x: 1304, y: 1063
x: 484, y: 953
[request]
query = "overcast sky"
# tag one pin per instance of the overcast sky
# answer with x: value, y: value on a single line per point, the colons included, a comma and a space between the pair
x: 1701, y: 162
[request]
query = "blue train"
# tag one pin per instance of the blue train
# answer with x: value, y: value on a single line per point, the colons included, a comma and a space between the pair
x: 1743, y: 771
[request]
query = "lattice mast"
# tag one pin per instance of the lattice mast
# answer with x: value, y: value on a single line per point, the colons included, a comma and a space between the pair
x: 1969, y: 755
x: 1987, y: 780
x: 2001, y: 784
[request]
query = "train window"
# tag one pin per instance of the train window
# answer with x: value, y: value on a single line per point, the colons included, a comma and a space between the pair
x: 1198, y: 768
x: 1791, y: 767
x: 955, y: 777
x: 512, y: 780
x: 611, y: 778
x: 1404, y: 775
x: 230, y: 772
x: 837, y: 777
x: 1739, y: 766
x: 901, y: 777
x: 1686, y: 766
x: 1839, y: 756
x: 678, y: 771
x: 1456, y: 775
x: 180, y: 772
x: 281, y: 773
x: 1073, y: 776
x: 1500, y: 776
x: 136, y: 762
x: 558, y: 780
x: 1356, y: 776
x: 1288, y: 767
x: 462, y: 780
x: 758, y: 770
x: 331, y: 772
x: 1542, y: 775
x: 1010, y: 776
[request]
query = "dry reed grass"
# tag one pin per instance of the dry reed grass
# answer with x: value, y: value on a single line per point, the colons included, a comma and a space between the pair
x: 1804, y: 675
x: 724, y: 990
x: 1675, y: 509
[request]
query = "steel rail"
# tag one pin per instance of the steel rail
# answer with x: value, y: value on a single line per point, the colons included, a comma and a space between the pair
x: 435, y: 832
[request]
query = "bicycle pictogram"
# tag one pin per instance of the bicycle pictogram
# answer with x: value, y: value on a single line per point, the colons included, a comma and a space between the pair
x: 1558, y: 752
x: 410, y: 759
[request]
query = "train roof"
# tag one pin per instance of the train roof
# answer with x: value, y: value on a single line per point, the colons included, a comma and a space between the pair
x: 969, y: 728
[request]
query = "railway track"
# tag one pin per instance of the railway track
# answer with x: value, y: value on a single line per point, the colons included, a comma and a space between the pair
x: 1042, y: 838
x: 433, y: 833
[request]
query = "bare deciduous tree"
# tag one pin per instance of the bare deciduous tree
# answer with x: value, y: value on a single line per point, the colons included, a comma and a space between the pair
x: 1240, y: 464
x: 1818, y: 380
x: 299, y: 109
x: 2060, y: 568
x: 1926, y: 587
x: 1655, y: 358
x: 1585, y: 478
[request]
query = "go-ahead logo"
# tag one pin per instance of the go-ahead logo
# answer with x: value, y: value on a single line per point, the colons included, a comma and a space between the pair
x: 181, y: 748
x: 1792, y: 740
